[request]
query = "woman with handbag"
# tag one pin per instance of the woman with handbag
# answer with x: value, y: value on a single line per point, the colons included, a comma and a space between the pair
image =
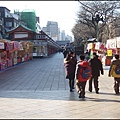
x: 70, y: 66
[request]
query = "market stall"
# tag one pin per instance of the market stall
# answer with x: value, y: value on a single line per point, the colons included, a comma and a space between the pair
x: 14, y: 52
x: 101, y: 50
x: 111, y: 46
x: 3, y: 54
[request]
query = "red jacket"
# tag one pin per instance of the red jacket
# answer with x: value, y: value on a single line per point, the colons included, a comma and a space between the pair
x: 79, y: 70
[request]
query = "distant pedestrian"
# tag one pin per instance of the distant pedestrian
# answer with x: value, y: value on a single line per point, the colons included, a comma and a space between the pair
x: 87, y: 55
x: 96, y: 67
x: 114, y: 71
x: 83, y: 73
x: 65, y: 52
x: 70, y: 66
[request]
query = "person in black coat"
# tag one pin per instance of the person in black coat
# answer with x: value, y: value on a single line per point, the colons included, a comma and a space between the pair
x: 65, y: 52
x: 96, y: 67
x: 70, y: 66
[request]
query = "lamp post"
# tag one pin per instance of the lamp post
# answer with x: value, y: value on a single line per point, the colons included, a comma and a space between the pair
x: 96, y: 19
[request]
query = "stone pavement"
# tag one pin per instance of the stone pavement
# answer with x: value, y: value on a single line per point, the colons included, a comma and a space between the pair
x: 38, y: 89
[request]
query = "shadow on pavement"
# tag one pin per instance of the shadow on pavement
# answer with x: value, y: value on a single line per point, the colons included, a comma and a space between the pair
x: 100, y: 100
x: 57, y: 95
x: 107, y: 93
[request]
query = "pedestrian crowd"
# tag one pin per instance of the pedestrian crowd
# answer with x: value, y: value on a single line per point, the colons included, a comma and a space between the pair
x: 88, y: 69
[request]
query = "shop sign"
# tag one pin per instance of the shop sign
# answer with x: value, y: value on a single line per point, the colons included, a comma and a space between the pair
x: 111, y: 44
x: 2, y: 45
x: 20, y: 35
x: 90, y: 46
x: 109, y: 52
x: 118, y: 42
x: 97, y: 45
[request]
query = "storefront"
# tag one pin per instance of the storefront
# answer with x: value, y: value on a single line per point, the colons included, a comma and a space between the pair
x: 43, y: 45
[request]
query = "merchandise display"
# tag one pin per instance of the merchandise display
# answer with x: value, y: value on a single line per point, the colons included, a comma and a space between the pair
x: 14, y: 52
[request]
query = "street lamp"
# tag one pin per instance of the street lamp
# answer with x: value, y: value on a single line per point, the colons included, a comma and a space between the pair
x: 96, y: 19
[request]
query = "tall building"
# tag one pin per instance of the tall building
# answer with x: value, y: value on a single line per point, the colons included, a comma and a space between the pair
x: 62, y: 36
x: 68, y: 38
x: 58, y: 33
x: 44, y: 29
x: 52, y: 27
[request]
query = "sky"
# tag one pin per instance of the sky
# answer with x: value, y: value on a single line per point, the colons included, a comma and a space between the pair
x: 63, y: 12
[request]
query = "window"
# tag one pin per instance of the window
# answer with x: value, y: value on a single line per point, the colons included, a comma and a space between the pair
x: 34, y: 49
x: 8, y: 24
x: 15, y: 24
x: 0, y: 13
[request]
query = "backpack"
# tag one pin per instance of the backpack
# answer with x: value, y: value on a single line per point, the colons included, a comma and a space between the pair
x: 117, y: 69
x: 84, y: 72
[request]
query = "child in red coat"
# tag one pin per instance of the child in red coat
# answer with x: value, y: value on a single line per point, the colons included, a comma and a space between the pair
x: 83, y: 73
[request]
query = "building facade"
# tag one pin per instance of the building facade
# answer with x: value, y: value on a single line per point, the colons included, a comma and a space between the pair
x: 52, y: 27
x: 29, y: 16
x: 67, y: 37
x: 62, y: 36
x: 8, y: 21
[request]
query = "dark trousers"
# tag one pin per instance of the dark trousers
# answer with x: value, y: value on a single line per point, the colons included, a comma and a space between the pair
x: 116, y: 85
x: 95, y: 78
x: 71, y: 80
x: 80, y: 86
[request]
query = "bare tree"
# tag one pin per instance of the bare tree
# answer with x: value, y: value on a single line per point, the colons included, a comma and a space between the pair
x: 86, y: 27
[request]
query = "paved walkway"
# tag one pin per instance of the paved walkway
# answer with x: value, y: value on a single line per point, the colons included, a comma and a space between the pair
x: 38, y: 89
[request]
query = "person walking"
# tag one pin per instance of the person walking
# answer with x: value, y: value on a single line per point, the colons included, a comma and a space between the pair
x: 83, y: 73
x: 114, y: 71
x: 65, y: 52
x: 96, y: 67
x: 70, y: 65
x: 87, y: 55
